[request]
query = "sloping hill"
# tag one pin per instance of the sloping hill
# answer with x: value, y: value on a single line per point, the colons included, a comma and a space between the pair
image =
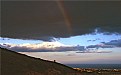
x: 13, y: 63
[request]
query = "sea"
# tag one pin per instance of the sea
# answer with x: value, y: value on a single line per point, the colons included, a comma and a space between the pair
x: 96, y: 66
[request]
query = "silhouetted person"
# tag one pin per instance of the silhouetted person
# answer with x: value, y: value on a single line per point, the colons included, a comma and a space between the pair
x: 54, y: 60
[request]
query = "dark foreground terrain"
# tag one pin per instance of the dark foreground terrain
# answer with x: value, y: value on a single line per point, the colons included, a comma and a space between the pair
x: 13, y: 63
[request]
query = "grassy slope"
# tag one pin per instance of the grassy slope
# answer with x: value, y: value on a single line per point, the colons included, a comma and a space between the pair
x: 18, y: 64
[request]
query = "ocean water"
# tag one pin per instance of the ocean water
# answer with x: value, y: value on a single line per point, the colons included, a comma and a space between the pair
x: 98, y: 66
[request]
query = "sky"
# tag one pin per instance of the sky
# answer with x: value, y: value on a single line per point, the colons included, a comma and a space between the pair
x: 67, y: 31
x: 91, y: 55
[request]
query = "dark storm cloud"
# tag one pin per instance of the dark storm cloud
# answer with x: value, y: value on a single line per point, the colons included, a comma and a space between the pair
x: 45, y: 19
x: 48, y: 38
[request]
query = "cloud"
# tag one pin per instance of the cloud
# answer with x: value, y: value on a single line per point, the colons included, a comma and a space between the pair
x: 92, y: 51
x: 116, y: 43
x: 100, y: 46
x: 55, y: 47
x: 71, y: 54
x: 110, y: 44
x: 93, y: 40
x: 45, y: 19
x: 42, y: 47
x: 48, y: 38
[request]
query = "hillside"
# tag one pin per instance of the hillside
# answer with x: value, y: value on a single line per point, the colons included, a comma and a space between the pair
x: 13, y: 63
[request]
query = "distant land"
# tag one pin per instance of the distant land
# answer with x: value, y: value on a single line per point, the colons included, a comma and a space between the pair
x: 13, y: 63
x: 97, y: 69
x: 96, y: 66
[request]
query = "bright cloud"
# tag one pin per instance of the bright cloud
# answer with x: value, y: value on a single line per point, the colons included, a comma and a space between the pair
x: 54, y: 47
x: 42, y: 47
